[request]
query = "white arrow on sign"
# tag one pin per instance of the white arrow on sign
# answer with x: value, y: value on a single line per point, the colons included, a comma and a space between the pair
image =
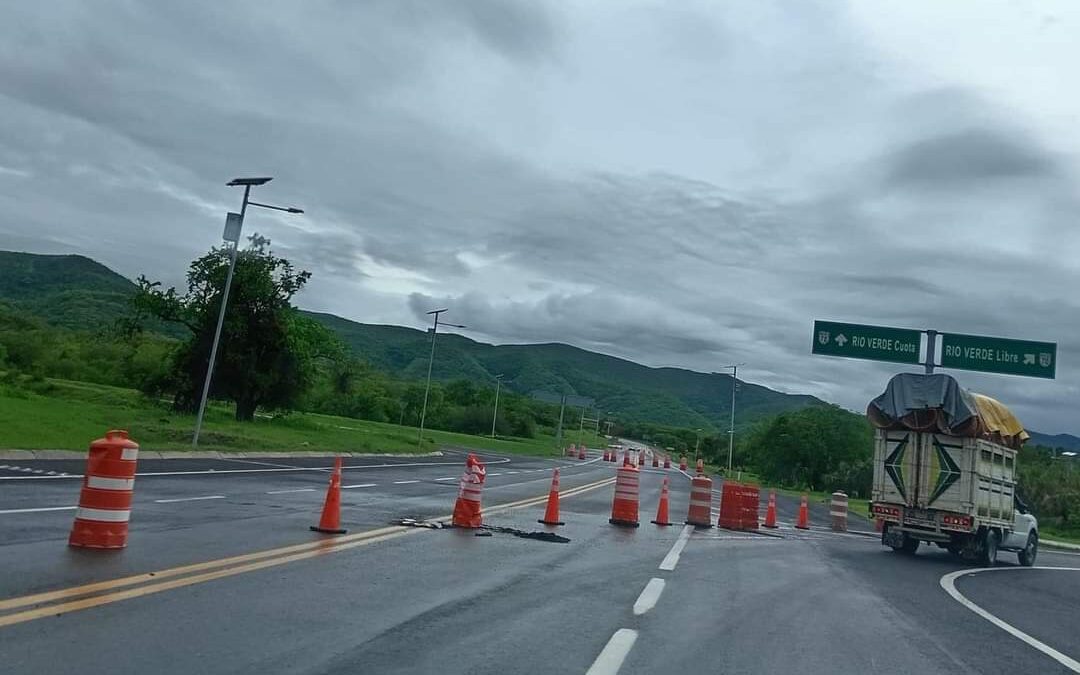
x: 1029, y: 359
x: 841, y: 340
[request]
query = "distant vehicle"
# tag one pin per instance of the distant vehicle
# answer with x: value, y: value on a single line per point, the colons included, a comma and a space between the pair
x: 945, y: 471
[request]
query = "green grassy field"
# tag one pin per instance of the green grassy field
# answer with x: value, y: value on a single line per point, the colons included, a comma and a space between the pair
x: 65, y: 415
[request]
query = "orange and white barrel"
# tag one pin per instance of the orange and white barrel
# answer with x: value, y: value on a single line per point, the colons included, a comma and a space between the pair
x: 682, y: 463
x: 571, y: 451
x: 838, y: 511
x: 667, y: 461
x: 624, y: 507
x: 101, y: 519
x: 700, y: 467
x: 581, y: 451
x: 700, y: 512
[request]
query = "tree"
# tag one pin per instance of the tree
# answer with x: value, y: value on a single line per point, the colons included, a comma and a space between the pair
x: 267, y: 352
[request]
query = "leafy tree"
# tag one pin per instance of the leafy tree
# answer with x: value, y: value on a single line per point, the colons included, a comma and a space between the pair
x: 816, y: 447
x: 267, y: 353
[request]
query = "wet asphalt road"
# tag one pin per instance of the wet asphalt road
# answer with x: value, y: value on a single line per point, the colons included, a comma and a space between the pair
x: 420, y: 601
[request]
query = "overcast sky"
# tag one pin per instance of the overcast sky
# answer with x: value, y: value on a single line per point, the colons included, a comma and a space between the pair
x: 679, y: 183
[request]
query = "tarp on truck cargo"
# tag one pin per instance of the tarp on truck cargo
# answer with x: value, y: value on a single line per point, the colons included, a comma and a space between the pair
x: 998, y: 419
x: 937, y: 403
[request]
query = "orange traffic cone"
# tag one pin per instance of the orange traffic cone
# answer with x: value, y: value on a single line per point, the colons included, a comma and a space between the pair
x: 804, y: 515
x: 551, y: 514
x: 624, y: 508
x: 700, y: 467
x: 467, y: 512
x: 330, y: 522
x: 770, y: 512
x: 662, y: 507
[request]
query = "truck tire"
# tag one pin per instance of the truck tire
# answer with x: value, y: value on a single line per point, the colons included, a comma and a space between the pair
x: 1028, y: 553
x: 988, y: 548
x: 908, y: 547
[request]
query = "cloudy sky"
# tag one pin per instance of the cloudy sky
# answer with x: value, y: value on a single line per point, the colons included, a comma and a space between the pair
x: 685, y: 184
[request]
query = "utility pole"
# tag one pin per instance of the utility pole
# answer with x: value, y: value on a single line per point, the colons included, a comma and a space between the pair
x: 731, y: 430
x: 431, y: 360
x: 558, y: 433
x: 495, y: 415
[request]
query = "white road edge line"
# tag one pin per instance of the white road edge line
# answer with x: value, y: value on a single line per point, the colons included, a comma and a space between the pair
x: 649, y: 596
x: 360, y: 485
x: 672, y: 558
x: 40, y: 509
x: 188, y: 499
x: 285, y: 492
x: 948, y: 582
x: 614, y: 653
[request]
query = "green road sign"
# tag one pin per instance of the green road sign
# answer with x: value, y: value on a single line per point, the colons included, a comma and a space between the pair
x: 877, y: 343
x: 999, y: 355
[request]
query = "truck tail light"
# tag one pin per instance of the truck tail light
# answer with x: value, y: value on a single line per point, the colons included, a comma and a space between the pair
x: 886, y: 512
x: 961, y: 522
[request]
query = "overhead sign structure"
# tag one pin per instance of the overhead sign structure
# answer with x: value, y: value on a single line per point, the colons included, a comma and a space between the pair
x: 966, y: 352
x: 999, y: 355
x: 877, y: 343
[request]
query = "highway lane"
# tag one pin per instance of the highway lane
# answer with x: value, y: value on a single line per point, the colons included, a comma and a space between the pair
x: 448, y: 601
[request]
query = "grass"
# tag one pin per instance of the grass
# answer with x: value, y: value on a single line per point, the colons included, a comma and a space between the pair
x: 62, y: 414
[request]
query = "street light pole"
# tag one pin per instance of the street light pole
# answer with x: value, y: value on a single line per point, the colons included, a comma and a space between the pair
x: 427, y: 387
x: 234, y: 236
x: 495, y: 415
x: 431, y: 360
x: 731, y: 431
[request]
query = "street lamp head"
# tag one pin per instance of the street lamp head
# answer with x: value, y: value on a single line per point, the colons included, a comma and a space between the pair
x: 292, y: 209
x: 437, y: 311
x: 249, y: 181
x: 455, y: 325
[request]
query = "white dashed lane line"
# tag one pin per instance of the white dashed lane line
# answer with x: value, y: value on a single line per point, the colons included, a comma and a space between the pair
x: 405, y: 482
x: 285, y: 492
x: 672, y: 558
x: 188, y: 499
x: 360, y: 485
x: 611, y: 658
x: 650, y: 595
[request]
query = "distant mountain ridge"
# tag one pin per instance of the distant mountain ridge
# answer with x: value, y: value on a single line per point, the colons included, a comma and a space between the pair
x: 76, y: 292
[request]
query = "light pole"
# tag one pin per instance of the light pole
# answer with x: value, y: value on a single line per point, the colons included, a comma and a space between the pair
x: 431, y: 360
x: 731, y: 430
x: 697, y: 444
x: 234, y: 222
x: 495, y: 415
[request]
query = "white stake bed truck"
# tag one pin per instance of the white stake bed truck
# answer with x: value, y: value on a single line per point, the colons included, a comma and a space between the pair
x: 945, y: 471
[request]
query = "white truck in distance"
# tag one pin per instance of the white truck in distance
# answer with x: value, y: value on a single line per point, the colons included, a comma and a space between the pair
x: 945, y: 471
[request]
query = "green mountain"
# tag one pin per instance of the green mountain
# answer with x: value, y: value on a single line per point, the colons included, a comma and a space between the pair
x: 630, y: 390
x: 71, y: 291
x: 75, y: 292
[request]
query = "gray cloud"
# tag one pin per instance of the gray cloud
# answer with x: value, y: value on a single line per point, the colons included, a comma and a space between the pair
x: 970, y: 157
x: 683, y: 185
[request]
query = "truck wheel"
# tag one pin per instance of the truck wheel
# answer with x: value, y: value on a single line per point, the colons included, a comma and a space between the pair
x: 911, y: 544
x: 1028, y: 553
x: 989, y: 549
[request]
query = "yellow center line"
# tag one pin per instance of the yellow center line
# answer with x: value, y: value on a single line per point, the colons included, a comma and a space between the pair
x: 234, y: 565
